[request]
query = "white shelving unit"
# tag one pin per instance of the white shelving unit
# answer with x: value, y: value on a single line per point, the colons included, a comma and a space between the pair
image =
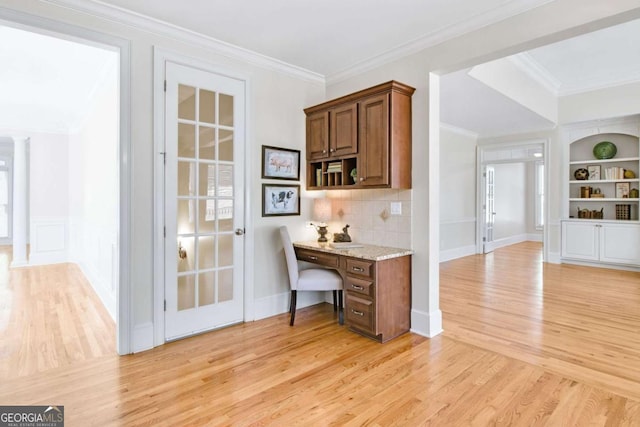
x: 606, y: 240
x: 627, y: 157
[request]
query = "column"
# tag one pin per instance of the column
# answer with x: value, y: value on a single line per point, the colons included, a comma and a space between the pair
x: 20, y: 193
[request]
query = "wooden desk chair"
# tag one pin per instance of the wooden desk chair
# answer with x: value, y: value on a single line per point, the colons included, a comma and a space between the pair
x: 313, y: 279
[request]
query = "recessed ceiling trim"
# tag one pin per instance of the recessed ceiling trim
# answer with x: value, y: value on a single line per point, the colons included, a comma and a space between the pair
x: 598, y: 84
x: 459, y: 130
x: 536, y: 71
x: 165, y: 29
x: 497, y: 14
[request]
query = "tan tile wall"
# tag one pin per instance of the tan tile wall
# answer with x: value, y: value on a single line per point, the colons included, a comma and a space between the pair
x: 368, y: 213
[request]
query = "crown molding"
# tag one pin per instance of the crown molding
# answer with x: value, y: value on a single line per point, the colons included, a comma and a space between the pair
x: 459, y: 130
x: 485, y: 19
x: 525, y: 62
x: 161, y: 28
x: 598, y: 84
x: 536, y: 71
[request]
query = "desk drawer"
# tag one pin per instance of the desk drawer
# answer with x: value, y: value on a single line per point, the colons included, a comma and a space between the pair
x: 360, y: 267
x: 360, y: 286
x: 318, y: 257
x: 360, y: 313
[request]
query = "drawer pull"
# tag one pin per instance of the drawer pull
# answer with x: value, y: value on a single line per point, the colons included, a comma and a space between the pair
x: 357, y: 313
x: 313, y: 258
x: 357, y: 288
x: 360, y: 269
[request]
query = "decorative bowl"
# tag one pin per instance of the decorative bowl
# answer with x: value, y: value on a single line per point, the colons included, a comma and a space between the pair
x: 605, y: 150
x: 581, y: 174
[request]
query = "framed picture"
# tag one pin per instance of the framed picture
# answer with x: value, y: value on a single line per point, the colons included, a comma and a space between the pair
x: 280, y: 163
x: 594, y: 172
x: 280, y: 200
x: 622, y: 190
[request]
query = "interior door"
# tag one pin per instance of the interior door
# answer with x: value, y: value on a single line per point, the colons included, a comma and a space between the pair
x: 489, y: 209
x: 204, y: 194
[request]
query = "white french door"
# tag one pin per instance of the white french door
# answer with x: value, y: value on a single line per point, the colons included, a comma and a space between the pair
x: 204, y: 200
x: 489, y: 209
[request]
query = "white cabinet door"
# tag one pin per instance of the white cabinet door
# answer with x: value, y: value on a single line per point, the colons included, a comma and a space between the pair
x: 580, y: 240
x: 620, y: 243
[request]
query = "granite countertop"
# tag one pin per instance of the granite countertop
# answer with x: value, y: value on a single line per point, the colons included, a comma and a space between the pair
x: 369, y: 252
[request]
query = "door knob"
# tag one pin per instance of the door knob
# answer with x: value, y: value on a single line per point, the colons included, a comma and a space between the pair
x: 239, y: 231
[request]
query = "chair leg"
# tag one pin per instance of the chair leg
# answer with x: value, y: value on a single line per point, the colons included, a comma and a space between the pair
x: 335, y: 303
x: 293, y: 307
x: 340, y: 309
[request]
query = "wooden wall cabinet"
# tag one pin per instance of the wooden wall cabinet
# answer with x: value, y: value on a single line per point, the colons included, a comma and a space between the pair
x: 369, y: 131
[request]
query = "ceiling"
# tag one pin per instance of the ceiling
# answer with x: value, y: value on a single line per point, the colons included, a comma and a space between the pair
x: 52, y: 82
x: 47, y: 83
x: 327, y: 36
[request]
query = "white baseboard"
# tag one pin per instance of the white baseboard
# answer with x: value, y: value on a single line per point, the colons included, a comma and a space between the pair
x: 534, y: 237
x: 278, y: 304
x: 46, y: 258
x: 426, y: 324
x: 554, y: 258
x: 508, y: 241
x: 455, y: 253
x: 101, y: 288
x: 142, y: 337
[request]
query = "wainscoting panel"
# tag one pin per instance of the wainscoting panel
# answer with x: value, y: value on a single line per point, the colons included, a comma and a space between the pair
x: 49, y: 240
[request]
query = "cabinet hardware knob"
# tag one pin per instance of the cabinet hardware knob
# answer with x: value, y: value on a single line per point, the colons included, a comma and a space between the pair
x: 324, y: 151
x: 357, y: 313
x: 357, y: 288
x: 313, y: 258
x: 362, y: 179
x: 358, y: 269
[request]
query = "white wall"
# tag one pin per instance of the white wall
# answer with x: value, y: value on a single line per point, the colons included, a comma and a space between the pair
x: 276, y: 101
x: 510, y: 201
x: 93, y: 190
x: 48, y: 198
x: 457, y: 193
x: 546, y: 24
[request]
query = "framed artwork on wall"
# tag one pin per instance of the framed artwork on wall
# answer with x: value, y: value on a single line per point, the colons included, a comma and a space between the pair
x: 280, y: 200
x: 280, y: 163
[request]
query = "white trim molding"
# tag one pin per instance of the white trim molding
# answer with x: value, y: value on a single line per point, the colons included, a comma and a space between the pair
x: 279, y: 303
x: 165, y: 29
x: 490, y: 17
x: 459, y: 130
x: 426, y: 324
x: 455, y: 253
x: 49, y: 240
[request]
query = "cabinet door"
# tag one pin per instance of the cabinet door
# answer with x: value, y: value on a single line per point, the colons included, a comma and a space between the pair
x: 620, y: 243
x: 373, y: 165
x: 318, y: 135
x: 580, y: 240
x: 344, y: 130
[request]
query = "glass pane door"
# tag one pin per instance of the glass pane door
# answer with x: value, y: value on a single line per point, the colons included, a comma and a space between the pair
x: 203, y: 197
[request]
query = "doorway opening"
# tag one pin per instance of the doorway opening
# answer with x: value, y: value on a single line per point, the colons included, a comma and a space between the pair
x: 66, y: 102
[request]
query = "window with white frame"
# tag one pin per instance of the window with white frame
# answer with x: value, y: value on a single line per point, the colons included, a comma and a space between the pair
x: 539, y: 202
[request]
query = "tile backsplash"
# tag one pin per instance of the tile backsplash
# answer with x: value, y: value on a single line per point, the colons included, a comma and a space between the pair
x: 368, y: 213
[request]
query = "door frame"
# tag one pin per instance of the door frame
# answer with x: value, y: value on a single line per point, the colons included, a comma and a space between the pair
x: 482, y: 150
x: 124, y: 297
x: 160, y: 57
x: 33, y: 23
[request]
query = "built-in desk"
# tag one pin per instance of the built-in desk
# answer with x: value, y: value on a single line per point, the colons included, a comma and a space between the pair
x: 377, y: 284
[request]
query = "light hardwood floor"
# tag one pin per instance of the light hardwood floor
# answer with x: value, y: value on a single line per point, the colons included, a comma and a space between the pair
x: 524, y: 344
